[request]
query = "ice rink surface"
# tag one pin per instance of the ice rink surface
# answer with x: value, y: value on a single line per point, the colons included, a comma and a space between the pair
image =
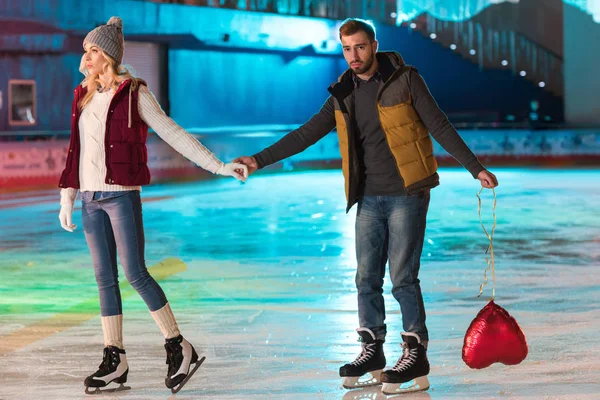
x: 261, y: 279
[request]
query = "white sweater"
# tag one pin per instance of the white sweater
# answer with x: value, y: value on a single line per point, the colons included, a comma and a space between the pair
x: 92, y: 128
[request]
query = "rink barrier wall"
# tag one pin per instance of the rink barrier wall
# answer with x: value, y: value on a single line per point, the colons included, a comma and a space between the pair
x: 37, y: 164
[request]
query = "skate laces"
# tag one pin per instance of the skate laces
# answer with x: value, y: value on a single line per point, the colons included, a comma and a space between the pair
x: 174, y: 356
x: 106, y: 360
x: 409, y: 356
x: 368, y: 350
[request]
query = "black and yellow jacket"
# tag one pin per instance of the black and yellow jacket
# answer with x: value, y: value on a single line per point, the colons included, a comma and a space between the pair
x: 407, y: 113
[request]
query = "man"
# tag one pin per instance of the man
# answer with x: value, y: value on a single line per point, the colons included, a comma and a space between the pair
x: 384, y: 115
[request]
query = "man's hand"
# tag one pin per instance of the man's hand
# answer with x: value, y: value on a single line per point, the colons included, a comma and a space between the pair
x: 250, y: 162
x: 487, y: 179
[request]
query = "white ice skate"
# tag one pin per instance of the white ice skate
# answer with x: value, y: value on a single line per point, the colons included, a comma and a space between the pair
x: 113, y: 369
x: 181, y: 357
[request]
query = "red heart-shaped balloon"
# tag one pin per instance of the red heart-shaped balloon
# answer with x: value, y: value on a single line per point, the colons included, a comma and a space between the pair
x: 493, y: 336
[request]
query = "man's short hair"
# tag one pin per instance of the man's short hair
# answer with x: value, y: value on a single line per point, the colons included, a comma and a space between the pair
x: 351, y: 26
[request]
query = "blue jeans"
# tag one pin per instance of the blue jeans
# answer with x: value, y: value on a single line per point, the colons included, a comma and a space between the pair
x: 390, y: 228
x: 112, y: 221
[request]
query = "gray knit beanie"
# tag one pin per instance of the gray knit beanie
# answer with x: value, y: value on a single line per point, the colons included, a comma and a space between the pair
x: 109, y: 38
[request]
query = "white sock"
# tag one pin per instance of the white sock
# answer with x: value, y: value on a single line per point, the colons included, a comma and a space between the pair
x: 166, y: 321
x: 112, y: 327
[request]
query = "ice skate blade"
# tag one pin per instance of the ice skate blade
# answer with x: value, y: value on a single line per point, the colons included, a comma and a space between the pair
x: 416, y: 385
x: 187, y: 378
x: 104, y: 391
x: 372, y: 378
x: 366, y: 393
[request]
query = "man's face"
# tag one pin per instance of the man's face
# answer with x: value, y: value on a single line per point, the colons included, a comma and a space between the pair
x: 359, y: 52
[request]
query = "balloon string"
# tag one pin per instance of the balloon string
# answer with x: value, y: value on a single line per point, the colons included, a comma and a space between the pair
x: 490, y: 249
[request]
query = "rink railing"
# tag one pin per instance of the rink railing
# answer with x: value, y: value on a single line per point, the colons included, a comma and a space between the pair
x: 35, y: 159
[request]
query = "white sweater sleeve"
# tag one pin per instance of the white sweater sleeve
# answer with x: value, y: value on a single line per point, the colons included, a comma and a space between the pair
x: 67, y: 196
x: 184, y: 143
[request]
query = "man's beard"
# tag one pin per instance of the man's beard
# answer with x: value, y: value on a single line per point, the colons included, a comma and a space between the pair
x: 365, y: 66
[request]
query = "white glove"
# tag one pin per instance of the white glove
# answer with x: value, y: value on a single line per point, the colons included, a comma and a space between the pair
x: 66, y: 218
x: 67, y: 199
x: 238, y: 171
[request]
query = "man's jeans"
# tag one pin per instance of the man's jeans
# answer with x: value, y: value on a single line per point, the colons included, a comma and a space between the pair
x: 390, y: 228
x: 112, y: 221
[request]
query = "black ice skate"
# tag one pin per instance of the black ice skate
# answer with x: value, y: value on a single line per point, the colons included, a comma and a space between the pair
x: 180, y: 357
x: 410, y: 372
x: 113, y: 368
x: 370, y: 362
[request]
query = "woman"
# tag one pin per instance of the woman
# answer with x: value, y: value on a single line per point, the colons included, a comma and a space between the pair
x: 107, y: 162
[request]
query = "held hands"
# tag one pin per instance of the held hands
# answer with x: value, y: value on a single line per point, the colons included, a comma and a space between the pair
x: 238, y: 171
x: 487, y: 179
x: 66, y: 217
x: 250, y: 162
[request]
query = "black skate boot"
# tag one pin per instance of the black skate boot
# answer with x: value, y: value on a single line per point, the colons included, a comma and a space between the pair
x: 410, y: 372
x: 370, y: 361
x: 113, y: 368
x: 180, y: 356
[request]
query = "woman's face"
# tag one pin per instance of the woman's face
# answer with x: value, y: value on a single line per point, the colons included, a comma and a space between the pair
x: 94, y: 60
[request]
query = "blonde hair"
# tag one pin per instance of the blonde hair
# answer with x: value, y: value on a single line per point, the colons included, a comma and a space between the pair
x: 117, y: 71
